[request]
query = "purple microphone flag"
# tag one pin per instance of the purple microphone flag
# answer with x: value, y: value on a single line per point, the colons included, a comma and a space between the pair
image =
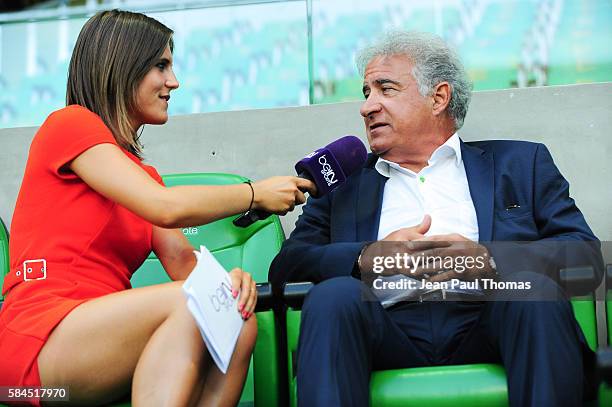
x: 350, y: 153
x: 328, y: 167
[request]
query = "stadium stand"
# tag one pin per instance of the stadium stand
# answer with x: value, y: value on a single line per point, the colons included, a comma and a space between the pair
x: 248, y: 63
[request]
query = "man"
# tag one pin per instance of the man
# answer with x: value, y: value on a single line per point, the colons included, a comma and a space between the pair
x: 420, y: 173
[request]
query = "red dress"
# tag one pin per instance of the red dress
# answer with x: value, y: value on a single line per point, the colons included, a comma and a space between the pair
x: 90, y: 245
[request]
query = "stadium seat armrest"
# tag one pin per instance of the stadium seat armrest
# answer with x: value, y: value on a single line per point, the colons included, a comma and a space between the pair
x: 604, y: 364
x: 294, y: 293
x: 578, y: 280
x: 265, y: 299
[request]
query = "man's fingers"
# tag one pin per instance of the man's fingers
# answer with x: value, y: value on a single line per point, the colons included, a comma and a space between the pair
x: 417, y: 245
x: 424, y: 226
x: 440, y: 253
x: 445, y: 276
x: 436, y: 238
x: 412, y: 232
x: 419, y: 272
x: 452, y: 237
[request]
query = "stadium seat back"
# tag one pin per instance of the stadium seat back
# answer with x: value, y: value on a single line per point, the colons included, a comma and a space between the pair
x: 252, y: 249
x: 4, y: 253
x: 584, y: 310
x: 609, y: 303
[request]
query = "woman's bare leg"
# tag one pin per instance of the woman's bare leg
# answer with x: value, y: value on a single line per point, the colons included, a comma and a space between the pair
x: 225, y: 390
x: 170, y: 367
x: 95, y: 350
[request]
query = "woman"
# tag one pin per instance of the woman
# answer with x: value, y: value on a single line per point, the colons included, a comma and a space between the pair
x: 93, y: 211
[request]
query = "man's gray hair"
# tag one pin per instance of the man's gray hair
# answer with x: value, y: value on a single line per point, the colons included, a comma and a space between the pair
x: 434, y: 62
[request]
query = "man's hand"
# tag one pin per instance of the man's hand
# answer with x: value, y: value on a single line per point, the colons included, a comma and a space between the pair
x: 410, y: 233
x: 395, y: 254
x: 460, y: 258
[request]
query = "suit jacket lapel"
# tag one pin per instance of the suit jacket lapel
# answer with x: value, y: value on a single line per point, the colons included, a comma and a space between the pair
x: 480, y: 174
x: 369, y: 202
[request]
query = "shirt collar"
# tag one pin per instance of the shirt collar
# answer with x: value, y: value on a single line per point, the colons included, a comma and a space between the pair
x: 452, y: 147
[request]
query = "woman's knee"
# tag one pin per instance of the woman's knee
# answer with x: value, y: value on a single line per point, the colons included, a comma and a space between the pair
x: 175, y: 300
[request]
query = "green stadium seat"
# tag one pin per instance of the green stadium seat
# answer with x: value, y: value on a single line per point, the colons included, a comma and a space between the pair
x: 252, y: 249
x: 609, y: 301
x: 4, y: 255
x: 469, y: 385
x: 605, y: 390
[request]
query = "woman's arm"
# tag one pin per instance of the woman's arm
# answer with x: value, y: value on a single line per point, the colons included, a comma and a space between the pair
x: 174, y: 252
x: 107, y: 170
x: 176, y: 255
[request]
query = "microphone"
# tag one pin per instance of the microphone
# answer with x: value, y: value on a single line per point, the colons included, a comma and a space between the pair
x: 327, y: 168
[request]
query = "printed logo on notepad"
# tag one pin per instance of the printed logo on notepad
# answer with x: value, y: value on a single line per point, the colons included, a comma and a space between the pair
x: 222, y: 298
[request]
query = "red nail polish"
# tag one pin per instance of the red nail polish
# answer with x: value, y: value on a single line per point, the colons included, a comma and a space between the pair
x: 234, y: 293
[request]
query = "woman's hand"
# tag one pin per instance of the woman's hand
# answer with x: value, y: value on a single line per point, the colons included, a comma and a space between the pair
x: 280, y: 194
x: 244, y: 285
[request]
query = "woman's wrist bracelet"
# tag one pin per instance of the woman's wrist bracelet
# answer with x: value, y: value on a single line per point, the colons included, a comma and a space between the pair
x: 252, y: 195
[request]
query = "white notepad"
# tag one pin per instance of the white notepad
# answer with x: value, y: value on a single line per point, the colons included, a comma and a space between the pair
x: 209, y: 298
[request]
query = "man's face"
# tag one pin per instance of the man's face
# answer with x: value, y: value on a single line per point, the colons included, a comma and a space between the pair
x: 397, y: 118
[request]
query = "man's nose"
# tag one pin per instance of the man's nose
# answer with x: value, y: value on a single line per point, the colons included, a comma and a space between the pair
x: 369, y: 106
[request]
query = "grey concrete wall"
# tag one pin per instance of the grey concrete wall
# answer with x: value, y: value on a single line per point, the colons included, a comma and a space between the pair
x: 574, y: 121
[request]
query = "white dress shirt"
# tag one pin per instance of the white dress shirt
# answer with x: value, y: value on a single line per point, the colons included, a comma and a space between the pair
x: 440, y: 189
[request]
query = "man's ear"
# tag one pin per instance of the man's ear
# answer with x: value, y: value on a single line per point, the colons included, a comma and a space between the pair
x: 441, y: 96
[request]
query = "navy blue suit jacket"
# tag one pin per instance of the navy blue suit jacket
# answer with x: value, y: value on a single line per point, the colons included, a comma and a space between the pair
x: 333, y: 229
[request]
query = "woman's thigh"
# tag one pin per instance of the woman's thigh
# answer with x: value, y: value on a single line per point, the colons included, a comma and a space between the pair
x: 96, y: 347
